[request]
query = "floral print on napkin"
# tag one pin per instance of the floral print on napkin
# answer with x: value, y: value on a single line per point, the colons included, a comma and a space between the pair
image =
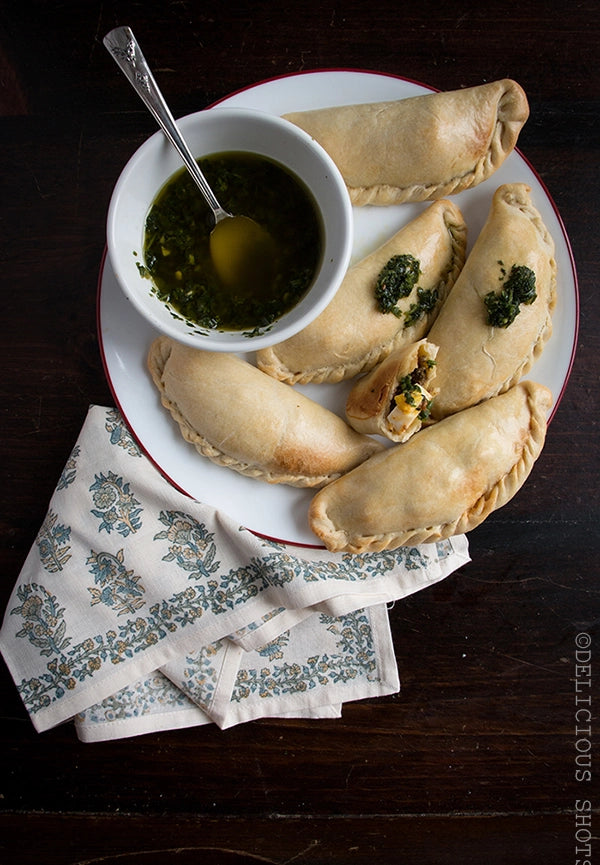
x: 128, y: 578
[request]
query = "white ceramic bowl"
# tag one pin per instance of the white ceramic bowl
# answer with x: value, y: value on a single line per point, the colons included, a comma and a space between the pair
x: 219, y: 130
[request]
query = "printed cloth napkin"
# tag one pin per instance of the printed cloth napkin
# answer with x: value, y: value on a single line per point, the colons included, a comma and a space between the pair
x: 140, y: 609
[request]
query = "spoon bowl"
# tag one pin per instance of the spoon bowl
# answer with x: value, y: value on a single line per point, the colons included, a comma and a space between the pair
x: 243, y: 253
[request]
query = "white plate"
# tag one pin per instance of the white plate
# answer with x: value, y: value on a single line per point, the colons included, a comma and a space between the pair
x: 279, y: 511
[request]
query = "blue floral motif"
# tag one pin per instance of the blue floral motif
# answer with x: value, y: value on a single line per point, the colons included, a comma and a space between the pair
x: 274, y: 650
x: 412, y: 558
x: 52, y: 543
x: 253, y: 626
x: 201, y: 676
x: 444, y: 549
x: 70, y: 470
x: 116, y: 506
x: 283, y: 568
x: 356, y: 656
x: 43, y: 624
x: 351, y: 567
x: 191, y: 545
x: 154, y: 695
x: 119, y: 433
x: 45, y: 627
x: 193, y: 549
x: 119, y: 588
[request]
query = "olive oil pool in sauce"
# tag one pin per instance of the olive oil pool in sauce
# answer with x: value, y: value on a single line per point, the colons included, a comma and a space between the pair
x: 177, y: 249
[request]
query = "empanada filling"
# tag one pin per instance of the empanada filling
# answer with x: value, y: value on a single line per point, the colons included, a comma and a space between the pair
x: 411, y: 403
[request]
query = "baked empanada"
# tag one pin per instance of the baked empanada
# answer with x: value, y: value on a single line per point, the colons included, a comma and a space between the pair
x: 423, y: 147
x: 240, y: 418
x: 395, y: 398
x: 513, y: 257
x: 444, y: 481
x: 352, y: 334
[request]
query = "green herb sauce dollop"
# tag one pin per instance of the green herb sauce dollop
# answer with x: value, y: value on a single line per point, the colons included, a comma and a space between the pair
x: 396, y: 279
x: 504, y: 307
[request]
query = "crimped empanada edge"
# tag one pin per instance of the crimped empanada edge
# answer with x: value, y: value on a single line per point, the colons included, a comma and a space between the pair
x: 269, y: 362
x: 518, y: 195
x: 336, y: 540
x: 158, y: 356
x: 501, y: 143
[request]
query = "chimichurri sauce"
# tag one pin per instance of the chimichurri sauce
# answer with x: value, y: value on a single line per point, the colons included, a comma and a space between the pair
x: 176, y: 242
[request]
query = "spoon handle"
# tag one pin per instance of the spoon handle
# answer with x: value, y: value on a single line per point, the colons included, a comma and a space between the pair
x: 127, y: 54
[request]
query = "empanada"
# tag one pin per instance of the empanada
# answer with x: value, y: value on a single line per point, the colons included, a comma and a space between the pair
x: 477, y: 360
x: 352, y: 334
x: 395, y: 398
x: 423, y: 147
x: 444, y: 481
x: 240, y: 418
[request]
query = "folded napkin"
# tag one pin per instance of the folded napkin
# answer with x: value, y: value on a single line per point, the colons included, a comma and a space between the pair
x: 140, y: 609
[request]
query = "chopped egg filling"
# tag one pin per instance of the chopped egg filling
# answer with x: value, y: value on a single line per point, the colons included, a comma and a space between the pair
x: 404, y: 417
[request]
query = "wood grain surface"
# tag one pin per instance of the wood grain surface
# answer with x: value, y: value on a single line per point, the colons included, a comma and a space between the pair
x: 474, y: 760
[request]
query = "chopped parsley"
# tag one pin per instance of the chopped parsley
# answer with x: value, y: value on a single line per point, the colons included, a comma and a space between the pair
x: 503, y: 308
x: 396, y: 280
x: 426, y: 301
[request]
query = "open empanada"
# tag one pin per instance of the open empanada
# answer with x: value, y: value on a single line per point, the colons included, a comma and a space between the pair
x: 423, y: 147
x: 513, y: 253
x: 352, y: 334
x: 395, y: 398
x: 240, y: 418
x: 444, y: 481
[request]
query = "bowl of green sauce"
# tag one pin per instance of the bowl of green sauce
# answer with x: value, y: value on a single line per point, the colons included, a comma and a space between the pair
x: 259, y: 166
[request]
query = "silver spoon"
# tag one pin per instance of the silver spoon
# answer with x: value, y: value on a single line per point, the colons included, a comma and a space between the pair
x: 236, y: 242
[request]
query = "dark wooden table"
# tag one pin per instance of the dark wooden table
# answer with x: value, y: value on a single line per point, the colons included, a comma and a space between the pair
x: 475, y: 759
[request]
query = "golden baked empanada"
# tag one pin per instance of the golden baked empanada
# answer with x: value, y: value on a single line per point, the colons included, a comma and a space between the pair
x: 513, y: 257
x: 444, y: 481
x: 422, y: 147
x: 352, y: 334
x: 395, y: 398
x: 240, y: 418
